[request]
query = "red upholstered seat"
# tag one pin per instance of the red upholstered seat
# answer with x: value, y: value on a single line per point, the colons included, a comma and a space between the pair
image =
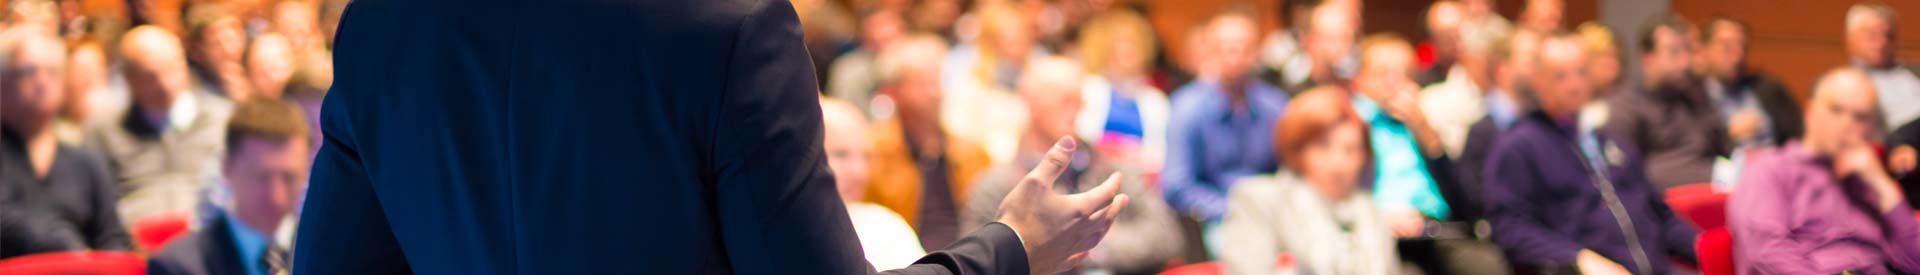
x: 153, y: 232
x: 76, y: 263
x: 1715, y: 247
x: 1702, y: 210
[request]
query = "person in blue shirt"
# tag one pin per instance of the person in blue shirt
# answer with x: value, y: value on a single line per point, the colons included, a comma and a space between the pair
x: 265, y: 172
x: 1222, y: 124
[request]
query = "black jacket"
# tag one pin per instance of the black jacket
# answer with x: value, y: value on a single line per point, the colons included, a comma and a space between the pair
x: 1778, y: 104
x: 72, y: 208
x: 583, y: 137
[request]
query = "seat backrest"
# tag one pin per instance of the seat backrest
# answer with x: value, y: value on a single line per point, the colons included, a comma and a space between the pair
x: 1705, y: 211
x: 153, y: 232
x: 1715, y: 248
x: 76, y: 263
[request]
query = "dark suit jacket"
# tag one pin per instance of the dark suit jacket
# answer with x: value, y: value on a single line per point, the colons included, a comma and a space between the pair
x: 207, y: 251
x: 583, y: 137
x: 1778, y: 104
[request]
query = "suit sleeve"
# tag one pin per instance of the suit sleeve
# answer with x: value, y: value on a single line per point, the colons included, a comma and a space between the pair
x: 343, y: 227
x: 778, y: 210
x: 1510, y: 185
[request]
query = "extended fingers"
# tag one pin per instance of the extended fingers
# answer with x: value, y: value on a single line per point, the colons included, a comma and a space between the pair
x: 1053, y: 164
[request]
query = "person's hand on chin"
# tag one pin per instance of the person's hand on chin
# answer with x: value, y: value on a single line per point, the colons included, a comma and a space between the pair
x: 1058, y: 229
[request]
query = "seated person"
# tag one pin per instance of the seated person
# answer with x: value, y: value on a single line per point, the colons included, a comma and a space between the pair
x: 1313, y: 208
x: 53, y: 197
x: 886, y: 238
x: 1825, y: 204
x: 1560, y: 198
x: 920, y: 170
x: 265, y: 174
x: 1220, y: 124
x: 1411, y: 176
x: 1144, y: 236
x: 167, y: 142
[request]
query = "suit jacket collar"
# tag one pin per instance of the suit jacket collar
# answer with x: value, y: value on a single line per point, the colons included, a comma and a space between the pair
x: 223, y: 255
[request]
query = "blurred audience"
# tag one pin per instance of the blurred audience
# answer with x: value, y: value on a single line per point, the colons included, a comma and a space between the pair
x: 1444, y: 20
x: 1222, y: 125
x: 264, y: 174
x: 1758, y: 108
x: 1488, y: 108
x: 89, y: 97
x: 1283, y: 51
x: 1670, y: 117
x: 216, y: 42
x: 269, y: 65
x: 1329, y: 42
x: 853, y: 77
x: 1144, y: 236
x: 162, y: 14
x: 1453, y: 105
x: 1313, y: 210
x: 978, y: 76
x: 1828, y: 196
x: 1125, y: 116
x: 920, y: 170
x: 55, y: 197
x: 886, y: 239
x: 1412, y: 179
x: 1562, y: 199
x: 1603, y: 69
x: 1543, y: 16
x: 167, y: 144
x: 1871, y: 44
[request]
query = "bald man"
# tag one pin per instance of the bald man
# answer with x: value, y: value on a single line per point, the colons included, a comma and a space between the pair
x: 170, y: 140
x: 886, y: 238
x: 1444, y: 20
x: 270, y: 63
x: 1804, y: 206
x: 1143, y: 238
x: 55, y: 197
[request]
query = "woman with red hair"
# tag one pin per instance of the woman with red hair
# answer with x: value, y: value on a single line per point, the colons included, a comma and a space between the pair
x: 1312, y: 209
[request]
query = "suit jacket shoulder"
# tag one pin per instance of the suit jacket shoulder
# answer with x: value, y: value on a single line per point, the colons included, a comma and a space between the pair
x: 207, y: 251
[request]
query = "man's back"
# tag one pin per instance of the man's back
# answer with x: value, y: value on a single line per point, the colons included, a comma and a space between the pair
x: 559, y: 137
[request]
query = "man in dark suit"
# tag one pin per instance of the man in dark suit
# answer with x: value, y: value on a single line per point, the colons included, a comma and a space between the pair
x: 264, y: 173
x: 667, y: 137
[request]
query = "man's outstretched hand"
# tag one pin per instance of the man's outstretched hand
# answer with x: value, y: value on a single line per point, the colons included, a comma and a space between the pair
x: 1058, y: 229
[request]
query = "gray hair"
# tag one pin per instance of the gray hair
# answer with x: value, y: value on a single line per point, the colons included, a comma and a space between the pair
x: 1483, y: 35
x: 1859, y: 14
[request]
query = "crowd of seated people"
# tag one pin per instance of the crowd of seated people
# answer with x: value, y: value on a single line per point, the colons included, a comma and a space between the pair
x: 1517, y: 147
x: 122, y: 117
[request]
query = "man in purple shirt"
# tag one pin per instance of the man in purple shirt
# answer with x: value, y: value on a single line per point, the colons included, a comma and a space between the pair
x: 1825, y: 204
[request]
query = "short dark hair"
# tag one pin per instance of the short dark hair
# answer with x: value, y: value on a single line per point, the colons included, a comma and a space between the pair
x: 1670, y: 21
x: 269, y: 119
x: 1713, y: 25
